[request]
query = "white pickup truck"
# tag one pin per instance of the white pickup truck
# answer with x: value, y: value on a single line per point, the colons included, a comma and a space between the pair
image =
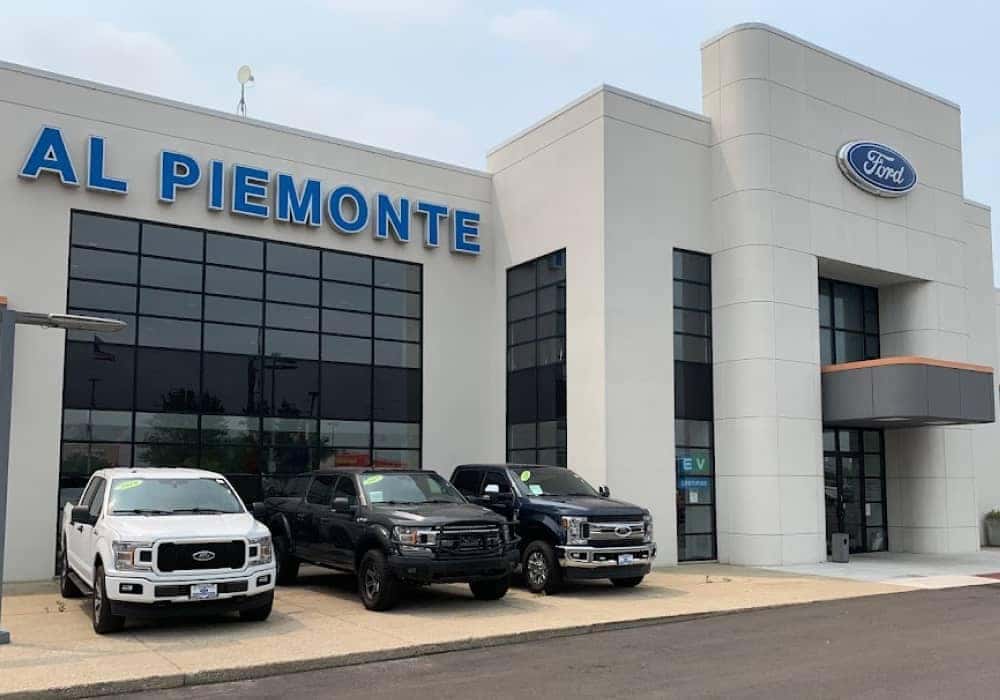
x: 165, y: 542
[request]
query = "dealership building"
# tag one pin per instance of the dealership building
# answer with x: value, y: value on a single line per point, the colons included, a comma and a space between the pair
x: 768, y: 322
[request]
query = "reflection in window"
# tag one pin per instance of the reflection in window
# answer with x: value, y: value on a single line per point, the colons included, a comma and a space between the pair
x: 848, y: 320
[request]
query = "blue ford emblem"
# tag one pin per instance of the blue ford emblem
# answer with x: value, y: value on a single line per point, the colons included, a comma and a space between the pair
x: 876, y: 168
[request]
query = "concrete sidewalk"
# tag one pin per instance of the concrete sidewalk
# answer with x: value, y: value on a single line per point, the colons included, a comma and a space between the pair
x: 321, y: 623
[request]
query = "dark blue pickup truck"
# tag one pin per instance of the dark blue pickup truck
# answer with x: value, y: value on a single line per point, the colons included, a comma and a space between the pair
x: 569, y: 530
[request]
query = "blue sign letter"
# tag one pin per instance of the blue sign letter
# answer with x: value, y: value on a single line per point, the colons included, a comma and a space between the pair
x: 96, y: 179
x: 434, y: 213
x: 465, y: 232
x: 335, y: 210
x: 250, y: 184
x: 49, y: 155
x: 216, y: 185
x: 177, y: 171
x: 292, y: 207
x: 387, y: 216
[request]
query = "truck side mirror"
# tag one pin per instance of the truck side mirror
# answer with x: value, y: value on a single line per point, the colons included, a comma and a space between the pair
x: 604, y: 491
x: 80, y: 515
x: 341, y: 504
x: 491, y: 489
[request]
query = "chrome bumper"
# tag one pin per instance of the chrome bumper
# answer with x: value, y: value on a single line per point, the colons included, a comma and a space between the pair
x: 585, y: 557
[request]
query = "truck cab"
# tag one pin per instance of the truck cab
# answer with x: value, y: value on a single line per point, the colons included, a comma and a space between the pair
x: 568, y: 529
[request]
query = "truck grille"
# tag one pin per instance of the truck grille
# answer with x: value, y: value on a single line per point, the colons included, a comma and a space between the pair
x: 194, y: 556
x: 469, y: 540
x: 616, y: 534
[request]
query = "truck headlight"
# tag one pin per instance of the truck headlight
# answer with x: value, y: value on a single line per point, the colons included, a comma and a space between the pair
x: 415, y: 536
x: 132, y: 556
x: 577, y: 529
x: 647, y: 530
x: 261, y: 550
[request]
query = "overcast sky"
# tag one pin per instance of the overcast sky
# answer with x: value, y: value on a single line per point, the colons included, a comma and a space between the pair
x: 448, y: 79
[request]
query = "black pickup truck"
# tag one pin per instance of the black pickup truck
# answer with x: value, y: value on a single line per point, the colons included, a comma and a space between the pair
x: 389, y: 527
x: 568, y: 530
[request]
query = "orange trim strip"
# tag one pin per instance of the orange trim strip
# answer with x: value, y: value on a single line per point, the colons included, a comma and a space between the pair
x: 905, y: 360
x: 3, y: 301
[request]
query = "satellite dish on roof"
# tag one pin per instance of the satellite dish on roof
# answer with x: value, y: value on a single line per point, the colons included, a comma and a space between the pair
x: 245, y: 76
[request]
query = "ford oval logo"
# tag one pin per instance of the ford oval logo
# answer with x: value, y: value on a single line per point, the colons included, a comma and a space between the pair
x: 623, y: 531
x: 876, y: 168
x: 203, y: 555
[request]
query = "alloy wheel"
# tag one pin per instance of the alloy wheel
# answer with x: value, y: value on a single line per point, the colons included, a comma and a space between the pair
x: 538, y: 570
x: 98, y: 598
x: 372, y: 582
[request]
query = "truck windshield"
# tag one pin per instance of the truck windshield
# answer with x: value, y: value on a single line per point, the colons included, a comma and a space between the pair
x: 550, y: 481
x: 407, y: 488
x: 172, y: 497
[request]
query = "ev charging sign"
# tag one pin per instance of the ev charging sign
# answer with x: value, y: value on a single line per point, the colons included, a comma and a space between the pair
x: 259, y: 193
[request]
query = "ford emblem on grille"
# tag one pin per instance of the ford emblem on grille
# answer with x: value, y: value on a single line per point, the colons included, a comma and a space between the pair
x: 623, y: 531
x: 203, y: 555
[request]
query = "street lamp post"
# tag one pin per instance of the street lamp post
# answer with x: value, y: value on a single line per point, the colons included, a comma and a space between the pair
x: 9, y: 318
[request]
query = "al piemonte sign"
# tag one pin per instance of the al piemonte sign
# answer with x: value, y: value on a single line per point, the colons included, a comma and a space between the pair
x: 876, y: 168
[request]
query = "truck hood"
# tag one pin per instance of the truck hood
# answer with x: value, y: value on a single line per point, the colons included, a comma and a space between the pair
x: 150, y: 528
x: 434, y: 514
x: 585, y: 506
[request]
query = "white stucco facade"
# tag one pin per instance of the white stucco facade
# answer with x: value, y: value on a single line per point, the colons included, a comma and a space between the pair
x: 620, y: 181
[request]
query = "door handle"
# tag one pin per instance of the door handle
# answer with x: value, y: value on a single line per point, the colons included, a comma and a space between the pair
x: 79, y: 528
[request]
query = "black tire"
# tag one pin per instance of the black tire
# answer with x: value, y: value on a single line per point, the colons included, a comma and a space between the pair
x: 630, y: 582
x: 285, y: 562
x: 259, y: 613
x: 104, y: 621
x: 541, y: 568
x: 67, y: 589
x: 378, y: 587
x: 490, y: 589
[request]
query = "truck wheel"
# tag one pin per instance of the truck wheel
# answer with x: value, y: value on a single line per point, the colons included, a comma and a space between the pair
x: 378, y: 587
x: 490, y: 589
x: 67, y: 589
x: 260, y: 613
x: 104, y: 621
x: 287, y: 565
x: 630, y: 582
x: 541, y: 568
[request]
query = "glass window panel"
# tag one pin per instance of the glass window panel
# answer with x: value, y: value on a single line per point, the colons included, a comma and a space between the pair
x: 873, y: 490
x: 231, y: 459
x: 166, y: 427
x: 876, y: 539
x: 347, y: 322
x: 337, y: 348
x: 237, y: 283
x: 695, y: 519
x: 552, y: 324
x: 694, y: 547
x: 396, y: 435
x: 291, y: 387
x: 694, y: 490
x: 871, y: 347
x: 233, y: 310
x: 551, y: 299
x: 167, y: 380
x: 172, y: 274
x: 872, y: 440
x: 850, y: 347
x: 82, y: 459
x: 825, y: 304
x: 521, y: 436
x: 166, y: 456
x: 520, y: 307
x: 232, y: 339
x: 126, y: 336
x: 871, y: 301
x: 694, y: 461
x: 302, y: 318
x: 396, y: 459
x: 98, y: 376
x: 344, y: 457
x: 825, y: 346
x: 874, y: 514
x: 829, y: 441
x: 290, y: 431
x: 522, y: 396
x: 849, y: 440
x: 521, y: 331
x: 159, y: 302
x: 348, y: 297
x: 551, y: 268
x: 522, y: 457
x: 291, y: 344
x: 105, y: 232
x: 397, y: 275
x: 394, y: 354
x: 692, y: 296
x: 229, y: 430
x: 693, y: 390
x: 288, y: 460
x: 292, y: 289
x: 696, y: 322
x: 397, y: 303
x: 346, y: 391
x: 231, y: 384
x: 848, y: 311
x: 694, y: 267
x: 873, y: 465
x: 692, y: 349
x: 552, y: 392
x: 292, y: 259
x: 347, y: 268
x: 102, y: 297
x: 520, y: 279
x: 521, y: 357
x: 871, y: 322
x: 169, y: 333
x: 552, y: 433
x: 84, y: 425
x: 231, y: 250
x: 850, y: 467
x: 172, y: 242
x: 397, y: 395
x: 551, y: 351
x: 345, y: 433
x: 830, y: 468
x: 397, y: 328
x: 105, y: 266
x: 555, y: 457
x: 693, y: 433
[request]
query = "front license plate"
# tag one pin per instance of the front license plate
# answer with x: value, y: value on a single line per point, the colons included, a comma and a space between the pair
x: 625, y: 559
x: 204, y: 591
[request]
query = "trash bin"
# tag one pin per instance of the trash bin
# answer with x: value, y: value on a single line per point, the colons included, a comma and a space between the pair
x: 840, y: 545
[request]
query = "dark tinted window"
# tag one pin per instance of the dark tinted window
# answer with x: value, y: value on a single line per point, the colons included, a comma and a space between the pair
x: 396, y: 394
x: 98, y: 376
x: 167, y: 380
x: 172, y: 242
x: 467, y: 481
x: 101, y: 297
x: 397, y: 275
x: 105, y: 232
x: 347, y: 268
x: 237, y: 283
x: 292, y: 259
x: 172, y: 274
x: 169, y: 333
x: 244, y: 340
x: 230, y: 250
x: 292, y: 289
x: 348, y: 297
x: 161, y: 302
x: 103, y: 265
x: 230, y: 310
x: 347, y: 323
x: 321, y: 490
x: 231, y: 384
x: 346, y: 391
x: 848, y: 319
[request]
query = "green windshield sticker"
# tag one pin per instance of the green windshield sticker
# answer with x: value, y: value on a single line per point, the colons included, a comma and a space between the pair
x: 126, y: 485
x: 525, y: 475
x: 536, y: 490
x: 373, y: 479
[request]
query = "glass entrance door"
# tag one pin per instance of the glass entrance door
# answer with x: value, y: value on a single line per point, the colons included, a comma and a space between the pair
x: 854, y: 486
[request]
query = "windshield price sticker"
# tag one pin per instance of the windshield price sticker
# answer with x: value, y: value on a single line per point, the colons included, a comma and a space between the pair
x: 525, y: 475
x: 373, y: 479
x: 536, y: 490
x: 376, y: 496
x: 126, y: 485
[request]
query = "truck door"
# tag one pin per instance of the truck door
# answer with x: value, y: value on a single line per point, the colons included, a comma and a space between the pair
x: 85, y: 533
x: 342, y: 526
x: 75, y: 549
x: 310, y: 541
x: 501, y: 498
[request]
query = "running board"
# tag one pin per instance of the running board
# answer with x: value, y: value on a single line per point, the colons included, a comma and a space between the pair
x: 79, y: 583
